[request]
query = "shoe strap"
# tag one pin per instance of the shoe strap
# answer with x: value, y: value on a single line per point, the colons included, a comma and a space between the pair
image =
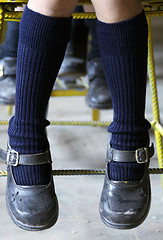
x: 141, y: 155
x: 13, y: 158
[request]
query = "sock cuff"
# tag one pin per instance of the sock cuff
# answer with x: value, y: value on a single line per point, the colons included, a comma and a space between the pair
x: 125, y: 171
x: 123, y: 38
x: 38, y: 31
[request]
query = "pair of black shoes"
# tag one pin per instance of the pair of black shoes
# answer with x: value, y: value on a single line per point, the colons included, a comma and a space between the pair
x: 98, y: 96
x: 75, y: 64
x: 123, y: 205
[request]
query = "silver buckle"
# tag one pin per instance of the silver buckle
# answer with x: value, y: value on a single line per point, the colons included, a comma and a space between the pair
x: 12, y: 158
x: 141, y: 155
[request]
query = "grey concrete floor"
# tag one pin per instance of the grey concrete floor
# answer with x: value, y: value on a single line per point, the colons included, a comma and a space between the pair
x: 85, y: 147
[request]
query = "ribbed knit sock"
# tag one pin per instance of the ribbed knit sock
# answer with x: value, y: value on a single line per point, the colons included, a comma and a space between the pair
x: 9, y: 47
x: 41, y: 48
x: 123, y: 47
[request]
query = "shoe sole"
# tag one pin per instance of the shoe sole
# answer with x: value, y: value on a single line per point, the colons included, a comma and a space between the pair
x: 7, y: 102
x: 72, y: 74
x: 98, y: 106
x: 34, y: 228
x: 126, y: 226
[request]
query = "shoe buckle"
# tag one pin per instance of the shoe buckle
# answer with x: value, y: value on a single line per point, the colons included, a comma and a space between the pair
x: 142, y: 155
x: 12, y: 158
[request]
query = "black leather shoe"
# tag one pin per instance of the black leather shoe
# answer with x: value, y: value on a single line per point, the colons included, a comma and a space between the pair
x: 125, y: 205
x: 34, y: 207
x: 98, y: 96
x: 8, y: 80
x: 74, y: 63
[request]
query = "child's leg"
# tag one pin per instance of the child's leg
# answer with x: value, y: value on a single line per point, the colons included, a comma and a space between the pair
x: 123, y: 45
x: 43, y: 37
x: 42, y: 43
x: 53, y: 8
x: 110, y: 11
x: 123, y: 32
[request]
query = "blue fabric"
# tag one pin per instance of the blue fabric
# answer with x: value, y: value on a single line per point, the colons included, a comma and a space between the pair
x: 41, y: 48
x: 123, y: 48
x: 9, y: 47
x: 32, y: 175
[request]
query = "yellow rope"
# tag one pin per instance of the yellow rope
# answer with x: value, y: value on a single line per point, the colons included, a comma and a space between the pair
x: 90, y: 15
x: 157, y: 126
x: 144, y: 2
x: 154, y: 124
x: 155, y: 105
x: 4, y: 122
x: 16, y: 16
x: 81, y: 123
x: 71, y: 123
x: 78, y: 172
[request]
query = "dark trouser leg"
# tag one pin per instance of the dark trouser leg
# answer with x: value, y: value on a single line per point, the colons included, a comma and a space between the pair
x: 98, y: 96
x: 74, y: 63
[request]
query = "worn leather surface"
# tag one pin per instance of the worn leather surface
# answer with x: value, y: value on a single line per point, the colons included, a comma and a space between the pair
x: 13, y: 158
x: 98, y: 96
x: 125, y: 205
x: 31, y: 207
x: 74, y: 63
x: 141, y: 155
x: 8, y: 80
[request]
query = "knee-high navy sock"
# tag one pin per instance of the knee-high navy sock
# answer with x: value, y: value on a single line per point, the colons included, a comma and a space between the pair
x: 41, y: 48
x: 123, y: 47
